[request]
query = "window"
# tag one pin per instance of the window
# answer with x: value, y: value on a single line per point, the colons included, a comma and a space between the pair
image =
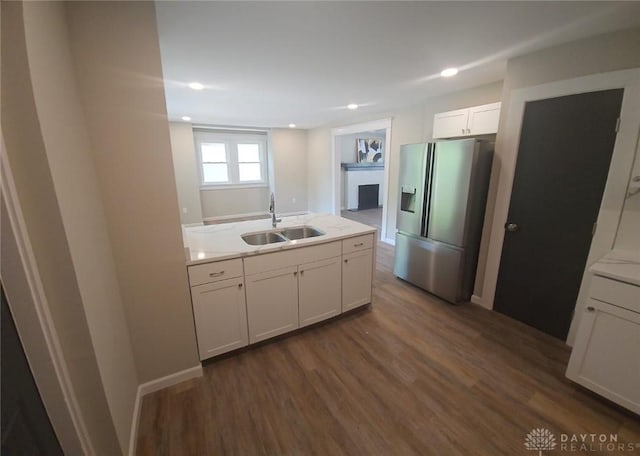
x: 229, y: 158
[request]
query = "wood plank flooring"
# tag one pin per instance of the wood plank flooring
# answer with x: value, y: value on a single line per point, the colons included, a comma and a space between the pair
x: 408, y: 375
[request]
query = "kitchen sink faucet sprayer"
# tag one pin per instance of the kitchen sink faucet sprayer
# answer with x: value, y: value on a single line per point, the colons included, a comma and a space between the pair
x: 272, y: 211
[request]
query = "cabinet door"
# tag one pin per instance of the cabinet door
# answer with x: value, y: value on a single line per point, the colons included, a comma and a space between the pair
x: 319, y: 290
x: 450, y: 124
x: 220, y: 316
x: 483, y: 120
x: 272, y: 303
x: 357, y: 268
x: 605, y: 354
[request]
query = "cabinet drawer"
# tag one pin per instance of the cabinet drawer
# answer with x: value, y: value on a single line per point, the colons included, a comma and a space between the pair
x: 213, y: 272
x: 357, y: 243
x: 271, y: 261
x: 617, y: 293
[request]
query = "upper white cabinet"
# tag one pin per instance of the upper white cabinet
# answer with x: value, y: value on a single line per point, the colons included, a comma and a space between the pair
x: 477, y: 120
x: 605, y: 356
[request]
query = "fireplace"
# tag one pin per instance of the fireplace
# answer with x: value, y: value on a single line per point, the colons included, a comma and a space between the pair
x: 368, y: 196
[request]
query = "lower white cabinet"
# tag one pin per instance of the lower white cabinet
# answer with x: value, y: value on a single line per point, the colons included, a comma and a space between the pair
x: 319, y: 290
x: 238, y: 302
x: 606, y: 353
x: 356, y: 279
x: 272, y: 303
x: 220, y: 316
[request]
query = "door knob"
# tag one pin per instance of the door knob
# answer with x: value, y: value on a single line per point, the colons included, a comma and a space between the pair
x: 511, y: 227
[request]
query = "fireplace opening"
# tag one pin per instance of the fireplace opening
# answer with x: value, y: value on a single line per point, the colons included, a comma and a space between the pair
x: 368, y: 196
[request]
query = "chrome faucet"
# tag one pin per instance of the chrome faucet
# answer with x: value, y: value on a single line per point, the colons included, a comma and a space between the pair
x: 272, y: 211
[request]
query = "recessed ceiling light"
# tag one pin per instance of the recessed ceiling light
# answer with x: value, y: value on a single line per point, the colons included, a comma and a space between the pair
x: 186, y: 118
x: 196, y: 86
x: 292, y: 125
x: 449, y: 72
x: 352, y: 106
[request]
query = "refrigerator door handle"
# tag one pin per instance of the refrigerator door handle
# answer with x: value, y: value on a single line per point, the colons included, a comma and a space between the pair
x: 427, y: 191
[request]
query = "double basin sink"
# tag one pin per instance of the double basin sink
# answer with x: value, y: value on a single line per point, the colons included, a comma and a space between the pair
x: 281, y: 235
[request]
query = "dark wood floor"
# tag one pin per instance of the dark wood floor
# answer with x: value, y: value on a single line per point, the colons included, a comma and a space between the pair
x: 409, y: 375
x: 371, y: 217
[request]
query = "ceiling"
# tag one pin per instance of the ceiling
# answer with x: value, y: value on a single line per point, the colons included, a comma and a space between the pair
x: 269, y: 64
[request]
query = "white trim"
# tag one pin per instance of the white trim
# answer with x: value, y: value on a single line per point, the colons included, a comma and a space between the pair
x: 219, y: 218
x: 170, y: 380
x: 135, y: 421
x: 209, y: 187
x: 476, y: 300
x: 615, y: 189
x: 151, y: 387
x: 389, y: 241
x: 335, y: 165
x: 49, y: 334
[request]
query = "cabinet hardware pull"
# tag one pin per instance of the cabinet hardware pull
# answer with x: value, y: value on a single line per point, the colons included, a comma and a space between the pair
x: 216, y: 274
x: 359, y: 244
x: 239, y: 285
x: 463, y: 131
x: 591, y: 308
x: 295, y: 273
x: 346, y: 261
x: 468, y: 131
x: 301, y: 272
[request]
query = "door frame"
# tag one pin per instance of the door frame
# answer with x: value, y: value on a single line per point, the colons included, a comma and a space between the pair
x: 336, y: 194
x: 617, y: 178
x: 30, y: 311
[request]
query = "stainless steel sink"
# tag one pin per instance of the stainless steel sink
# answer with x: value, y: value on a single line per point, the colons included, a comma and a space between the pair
x: 282, y: 235
x: 300, y: 232
x: 268, y: 237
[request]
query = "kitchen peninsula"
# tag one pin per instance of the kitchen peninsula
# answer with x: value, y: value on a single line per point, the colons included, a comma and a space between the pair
x: 307, y: 269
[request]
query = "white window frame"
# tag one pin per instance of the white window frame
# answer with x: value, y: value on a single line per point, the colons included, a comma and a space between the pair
x: 231, y: 141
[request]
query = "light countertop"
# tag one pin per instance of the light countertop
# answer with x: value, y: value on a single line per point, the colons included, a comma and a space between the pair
x: 208, y: 243
x: 622, y: 265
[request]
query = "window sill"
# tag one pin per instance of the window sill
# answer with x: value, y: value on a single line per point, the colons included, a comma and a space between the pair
x: 233, y: 186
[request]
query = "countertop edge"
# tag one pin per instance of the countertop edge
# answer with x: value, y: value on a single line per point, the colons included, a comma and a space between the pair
x: 280, y: 246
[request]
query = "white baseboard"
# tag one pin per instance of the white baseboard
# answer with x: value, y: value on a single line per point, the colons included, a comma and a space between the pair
x: 478, y: 300
x: 389, y: 241
x: 152, y: 386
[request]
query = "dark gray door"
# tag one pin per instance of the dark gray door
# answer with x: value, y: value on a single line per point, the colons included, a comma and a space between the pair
x: 26, y: 429
x: 561, y: 171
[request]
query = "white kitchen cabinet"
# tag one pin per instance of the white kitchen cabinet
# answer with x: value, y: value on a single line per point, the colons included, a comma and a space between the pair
x: 272, y: 303
x: 605, y: 356
x: 220, y: 316
x: 477, y: 120
x: 356, y: 278
x: 219, y: 308
x: 319, y: 290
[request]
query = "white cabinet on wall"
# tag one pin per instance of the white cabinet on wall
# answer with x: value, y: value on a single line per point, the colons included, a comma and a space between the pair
x: 219, y: 308
x: 477, y: 120
x: 357, y: 271
x: 605, y: 356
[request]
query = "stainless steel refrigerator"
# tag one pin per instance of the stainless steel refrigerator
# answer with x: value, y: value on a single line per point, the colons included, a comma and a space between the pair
x: 443, y: 193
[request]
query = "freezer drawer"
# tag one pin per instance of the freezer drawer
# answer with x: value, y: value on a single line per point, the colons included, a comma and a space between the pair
x: 432, y: 266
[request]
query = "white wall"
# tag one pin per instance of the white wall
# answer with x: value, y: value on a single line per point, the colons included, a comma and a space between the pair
x: 289, y: 159
x: 64, y: 223
x: 120, y: 84
x: 346, y: 144
x: 409, y: 125
x: 234, y: 201
x: 185, y: 167
x: 600, y: 54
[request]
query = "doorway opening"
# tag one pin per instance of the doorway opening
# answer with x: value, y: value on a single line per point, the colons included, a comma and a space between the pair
x: 361, y: 172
